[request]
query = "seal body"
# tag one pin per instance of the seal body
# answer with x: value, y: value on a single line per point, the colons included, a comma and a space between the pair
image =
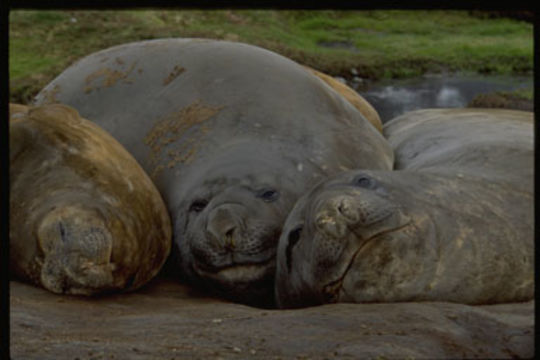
x: 453, y: 222
x: 84, y: 216
x: 231, y: 134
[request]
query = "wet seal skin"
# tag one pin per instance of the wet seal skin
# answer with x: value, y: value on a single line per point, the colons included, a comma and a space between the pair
x: 85, y: 219
x: 453, y: 222
x: 232, y: 135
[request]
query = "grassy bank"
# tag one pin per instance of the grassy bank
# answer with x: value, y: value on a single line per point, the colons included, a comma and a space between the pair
x: 378, y: 44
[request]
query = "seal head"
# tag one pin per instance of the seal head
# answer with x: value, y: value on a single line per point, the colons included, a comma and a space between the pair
x: 331, y: 227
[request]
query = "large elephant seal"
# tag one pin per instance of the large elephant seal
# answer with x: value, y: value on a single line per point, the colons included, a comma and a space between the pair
x: 84, y: 216
x: 453, y: 222
x: 232, y: 135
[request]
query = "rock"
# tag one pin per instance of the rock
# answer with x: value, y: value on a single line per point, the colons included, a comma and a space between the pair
x: 169, y: 320
x: 357, y: 80
x: 502, y: 101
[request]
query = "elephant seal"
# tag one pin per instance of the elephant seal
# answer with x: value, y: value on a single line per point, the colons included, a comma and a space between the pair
x: 84, y: 217
x: 354, y: 98
x: 232, y: 135
x: 17, y: 110
x: 453, y: 222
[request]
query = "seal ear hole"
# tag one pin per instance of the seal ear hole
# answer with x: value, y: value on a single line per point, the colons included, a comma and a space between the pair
x: 364, y: 181
x: 268, y: 195
x: 198, y: 205
x: 293, y: 238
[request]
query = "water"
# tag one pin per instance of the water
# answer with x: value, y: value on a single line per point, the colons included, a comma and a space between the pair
x: 395, y: 97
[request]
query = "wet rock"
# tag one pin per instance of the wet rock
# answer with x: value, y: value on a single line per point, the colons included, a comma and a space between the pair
x: 167, y: 320
x: 502, y: 101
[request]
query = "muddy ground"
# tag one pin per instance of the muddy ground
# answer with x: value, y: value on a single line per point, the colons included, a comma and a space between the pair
x: 167, y: 320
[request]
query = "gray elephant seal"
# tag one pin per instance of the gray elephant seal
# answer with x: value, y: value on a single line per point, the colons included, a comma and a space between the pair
x: 84, y: 216
x: 232, y: 135
x: 453, y: 223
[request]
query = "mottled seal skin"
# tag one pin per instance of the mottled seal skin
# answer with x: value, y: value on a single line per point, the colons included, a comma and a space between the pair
x: 232, y: 135
x: 453, y: 222
x: 352, y: 97
x: 84, y: 218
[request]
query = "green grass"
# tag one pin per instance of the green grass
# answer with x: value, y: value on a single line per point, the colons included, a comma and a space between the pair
x: 387, y: 43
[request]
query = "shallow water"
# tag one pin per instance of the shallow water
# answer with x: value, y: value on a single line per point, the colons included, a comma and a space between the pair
x: 395, y: 97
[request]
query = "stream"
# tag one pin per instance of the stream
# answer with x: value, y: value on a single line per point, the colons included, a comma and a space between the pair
x: 394, y: 97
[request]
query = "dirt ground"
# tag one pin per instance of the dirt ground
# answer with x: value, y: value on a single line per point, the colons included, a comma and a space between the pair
x: 167, y: 320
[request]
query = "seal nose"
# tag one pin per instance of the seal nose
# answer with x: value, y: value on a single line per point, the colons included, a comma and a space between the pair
x: 223, y: 227
x: 346, y: 208
x: 337, y: 213
x: 77, y: 251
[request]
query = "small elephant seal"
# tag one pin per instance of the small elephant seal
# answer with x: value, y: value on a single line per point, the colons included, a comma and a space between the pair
x: 354, y: 98
x: 454, y: 221
x: 17, y: 110
x: 84, y: 217
x: 232, y: 135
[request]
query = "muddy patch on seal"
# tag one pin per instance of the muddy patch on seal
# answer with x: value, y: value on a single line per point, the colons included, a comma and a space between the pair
x: 186, y: 124
x: 108, y: 77
x: 173, y: 75
x: 50, y: 95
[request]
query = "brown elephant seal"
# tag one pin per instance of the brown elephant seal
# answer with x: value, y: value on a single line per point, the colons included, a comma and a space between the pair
x: 84, y: 216
x: 17, y: 110
x: 354, y: 98
x: 453, y: 223
x: 232, y: 135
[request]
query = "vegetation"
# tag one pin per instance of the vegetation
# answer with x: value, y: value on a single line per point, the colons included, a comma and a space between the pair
x: 377, y: 44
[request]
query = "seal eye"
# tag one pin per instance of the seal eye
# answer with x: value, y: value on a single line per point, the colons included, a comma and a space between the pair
x: 364, y: 181
x: 294, y: 236
x: 198, y: 205
x: 268, y: 195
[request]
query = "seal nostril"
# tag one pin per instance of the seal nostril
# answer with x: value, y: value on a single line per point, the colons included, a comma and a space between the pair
x: 228, y: 240
x: 62, y: 231
x: 229, y: 233
x: 348, y: 211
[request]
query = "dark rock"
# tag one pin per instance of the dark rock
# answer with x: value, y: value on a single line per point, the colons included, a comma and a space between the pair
x: 501, y: 100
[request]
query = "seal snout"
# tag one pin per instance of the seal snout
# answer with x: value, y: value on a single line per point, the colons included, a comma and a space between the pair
x: 336, y: 215
x: 77, y: 248
x: 224, y: 227
x: 361, y: 212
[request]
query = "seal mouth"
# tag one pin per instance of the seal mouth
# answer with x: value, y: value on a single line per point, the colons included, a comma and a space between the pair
x: 250, y: 284
x: 332, y: 290
x: 238, y: 273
